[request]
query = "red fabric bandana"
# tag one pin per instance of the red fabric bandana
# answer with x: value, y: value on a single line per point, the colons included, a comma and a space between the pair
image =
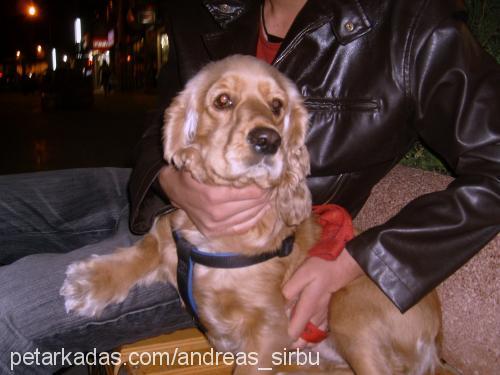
x: 337, y: 231
x: 313, y: 334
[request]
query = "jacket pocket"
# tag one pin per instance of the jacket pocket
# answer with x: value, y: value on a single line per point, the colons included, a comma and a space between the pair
x: 348, y: 134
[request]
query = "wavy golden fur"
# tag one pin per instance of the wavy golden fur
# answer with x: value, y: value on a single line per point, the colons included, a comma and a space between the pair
x: 207, y: 132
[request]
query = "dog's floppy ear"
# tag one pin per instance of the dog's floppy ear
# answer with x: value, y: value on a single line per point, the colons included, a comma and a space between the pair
x: 180, y: 125
x: 294, y: 198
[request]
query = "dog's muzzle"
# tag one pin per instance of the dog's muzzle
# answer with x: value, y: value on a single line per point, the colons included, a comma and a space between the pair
x: 265, y: 141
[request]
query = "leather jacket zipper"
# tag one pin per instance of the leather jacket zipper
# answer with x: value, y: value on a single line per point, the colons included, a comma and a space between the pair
x: 336, y: 188
x: 352, y: 105
x: 298, y: 38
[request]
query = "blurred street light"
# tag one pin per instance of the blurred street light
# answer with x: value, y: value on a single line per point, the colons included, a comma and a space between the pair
x: 18, y: 55
x: 78, y: 31
x: 54, y: 59
x: 32, y: 10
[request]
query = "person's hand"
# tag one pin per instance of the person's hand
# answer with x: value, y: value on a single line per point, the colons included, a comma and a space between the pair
x: 215, y: 210
x: 310, y: 289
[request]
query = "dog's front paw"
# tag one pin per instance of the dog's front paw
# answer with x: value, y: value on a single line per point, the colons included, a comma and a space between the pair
x: 90, y: 286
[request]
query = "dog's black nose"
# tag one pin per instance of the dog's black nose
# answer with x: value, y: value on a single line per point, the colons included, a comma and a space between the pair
x: 264, y: 140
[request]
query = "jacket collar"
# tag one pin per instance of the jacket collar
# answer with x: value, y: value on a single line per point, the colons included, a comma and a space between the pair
x: 235, y: 37
x: 347, y: 18
x: 225, y: 11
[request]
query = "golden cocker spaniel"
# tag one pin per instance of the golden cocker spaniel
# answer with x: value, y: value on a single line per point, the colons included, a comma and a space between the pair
x: 239, y: 122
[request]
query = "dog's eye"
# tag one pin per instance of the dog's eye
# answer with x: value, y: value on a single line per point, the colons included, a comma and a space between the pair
x: 276, y: 106
x: 223, y: 101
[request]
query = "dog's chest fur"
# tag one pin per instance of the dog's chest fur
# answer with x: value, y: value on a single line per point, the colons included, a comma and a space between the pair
x: 234, y: 303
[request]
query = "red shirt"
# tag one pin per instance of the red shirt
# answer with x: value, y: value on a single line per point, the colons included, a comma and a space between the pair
x: 266, y: 50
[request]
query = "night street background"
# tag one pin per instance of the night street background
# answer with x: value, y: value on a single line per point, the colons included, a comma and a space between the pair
x: 105, y: 135
x: 41, y: 57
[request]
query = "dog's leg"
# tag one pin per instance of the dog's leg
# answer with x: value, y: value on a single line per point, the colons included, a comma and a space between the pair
x: 93, y: 284
x: 375, y: 338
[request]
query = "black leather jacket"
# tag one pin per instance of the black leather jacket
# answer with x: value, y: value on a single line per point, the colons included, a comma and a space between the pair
x: 375, y: 75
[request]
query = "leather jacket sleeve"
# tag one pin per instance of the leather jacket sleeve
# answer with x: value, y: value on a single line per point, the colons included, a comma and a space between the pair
x: 453, y: 88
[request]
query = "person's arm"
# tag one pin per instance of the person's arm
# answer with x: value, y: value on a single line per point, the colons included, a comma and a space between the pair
x: 147, y: 199
x: 455, y: 90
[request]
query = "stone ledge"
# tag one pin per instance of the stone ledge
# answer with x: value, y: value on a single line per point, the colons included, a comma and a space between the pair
x: 470, y: 297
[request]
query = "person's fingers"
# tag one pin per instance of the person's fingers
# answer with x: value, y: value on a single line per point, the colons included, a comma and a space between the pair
x: 305, y: 309
x: 297, y: 282
x: 185, y: 190
x: 236, y: 212
x: 224, y: 194
x: 251, y: 219
x: 299, y: 344
x: 237, y: 224
x: 216, y: 195
x: 319, y: 319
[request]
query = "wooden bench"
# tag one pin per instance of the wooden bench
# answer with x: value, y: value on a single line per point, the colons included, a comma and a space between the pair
x: 143, y: 357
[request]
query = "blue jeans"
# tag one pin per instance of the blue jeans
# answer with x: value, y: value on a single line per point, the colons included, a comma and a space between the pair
x: 47, y: 221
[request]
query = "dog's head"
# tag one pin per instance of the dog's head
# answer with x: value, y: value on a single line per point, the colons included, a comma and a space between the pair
x: 240, y: 121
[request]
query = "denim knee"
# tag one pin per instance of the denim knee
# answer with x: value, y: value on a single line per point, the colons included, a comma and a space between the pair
x: 58, y: 211
x: 14, y: 343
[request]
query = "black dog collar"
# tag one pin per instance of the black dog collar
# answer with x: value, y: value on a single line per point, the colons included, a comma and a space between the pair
x: 188, y: 255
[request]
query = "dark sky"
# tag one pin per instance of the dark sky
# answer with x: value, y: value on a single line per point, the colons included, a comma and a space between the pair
x: 53, y: 25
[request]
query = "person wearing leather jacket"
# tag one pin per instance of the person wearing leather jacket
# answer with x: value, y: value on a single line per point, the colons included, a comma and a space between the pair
x: 375, y: 77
